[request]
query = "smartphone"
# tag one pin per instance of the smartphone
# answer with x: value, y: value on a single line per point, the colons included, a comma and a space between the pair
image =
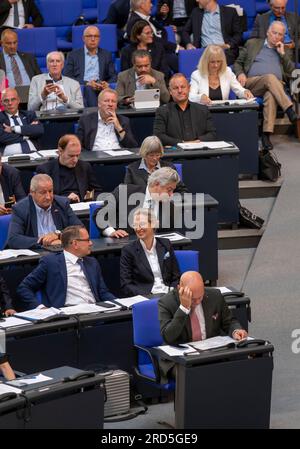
x: 9, y: 204
x: 49, y: 81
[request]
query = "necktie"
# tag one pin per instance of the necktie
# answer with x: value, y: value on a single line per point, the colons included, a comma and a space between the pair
x: 24, y: 145
x: 16, y: 15
x: 16, y: 71
x: 196, y: 329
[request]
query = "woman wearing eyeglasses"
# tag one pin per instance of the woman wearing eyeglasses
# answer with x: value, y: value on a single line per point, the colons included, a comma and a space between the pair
x: 151, y: 152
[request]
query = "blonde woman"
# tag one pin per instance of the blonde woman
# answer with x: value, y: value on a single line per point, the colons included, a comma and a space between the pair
x: 213, y: 79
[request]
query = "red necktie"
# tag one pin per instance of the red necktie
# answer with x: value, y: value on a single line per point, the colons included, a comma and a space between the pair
x: 195, y: 324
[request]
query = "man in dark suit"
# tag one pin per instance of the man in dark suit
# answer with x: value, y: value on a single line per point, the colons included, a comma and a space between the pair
x: 118, y: 13
x: 140, y: 76
x: 176, y: 16
x: 11, y: 189
x: 147, y: 265
x: 278, y: 12
x: 26, y: 10
x: 39, y: 219
x: 26, y: 62
x: 214, y: 24
x: 5, y: 299
x: 71, y: 177
x: 193, y: 313
x: 67, y: 278
x: 181, y: 120
x: 91, y: 66
x: 105, y: 130
x: 19, y: 130
x: 115, y: 218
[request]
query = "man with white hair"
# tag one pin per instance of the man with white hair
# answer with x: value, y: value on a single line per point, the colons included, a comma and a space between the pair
x: 125, y: 198
x: 262, y: 67
x: 51, y: 90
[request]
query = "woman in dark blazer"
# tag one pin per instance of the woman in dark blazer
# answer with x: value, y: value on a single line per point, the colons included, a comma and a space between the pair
x: 148, y: 265
x: 141, y: 38
x: 151, y: 151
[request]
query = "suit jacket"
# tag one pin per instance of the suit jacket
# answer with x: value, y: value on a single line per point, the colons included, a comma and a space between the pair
x: 50, y: 277
x: 88, y: 127
x: 119, y: 209
x: 30, y: 63
x: 136, y: 275
x: 118, y: 13
x: 170, y: 47
x: 126, y: 85
x: 189, y: 6
x: 34, y: 132
x: 230, y: 26
x: 11, y: 183
x: 71, y: 87
x: 158, y: 57
x: 75, y: 67
x: 228, y: 81
x: 175, y: 325
x: 84, y: 175
x: 139, y: 176
x: 262, y: 23
x: 23, y: 230
x: 248, y: 54
x: 5, y: 299
x: 30, y: 10
x: 167, y: 125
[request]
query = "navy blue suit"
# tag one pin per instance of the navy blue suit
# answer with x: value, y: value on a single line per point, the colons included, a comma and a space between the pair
x: 23, y: 230
x: 11, y: 183
x: 50, y: 277
x: 32, y: 131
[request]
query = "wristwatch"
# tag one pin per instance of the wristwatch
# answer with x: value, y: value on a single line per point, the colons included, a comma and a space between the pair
x: 58, y: 233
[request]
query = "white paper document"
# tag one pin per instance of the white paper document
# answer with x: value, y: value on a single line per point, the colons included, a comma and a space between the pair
x: 178, y: 350
x: 40, y: 313
x: 214, y: 342
x: 49, y: 153
x: 84, y: 205
x: 173, y: 236
x: 237, y: 101
x: 31, y: 380
x: 117, y: 152
x: 223, y: 289
x: 9, y: 253
x: 128, y: 302
x: 8, y: 389
x: 89, y: 308
x: 12, y: 321
x: 199, y: 145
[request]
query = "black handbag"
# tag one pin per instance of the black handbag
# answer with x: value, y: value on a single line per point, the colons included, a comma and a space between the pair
x: 269, y: 167
x: 249, y: 219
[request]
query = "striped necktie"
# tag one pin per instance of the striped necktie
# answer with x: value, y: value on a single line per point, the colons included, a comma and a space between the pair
x: 16, y: 71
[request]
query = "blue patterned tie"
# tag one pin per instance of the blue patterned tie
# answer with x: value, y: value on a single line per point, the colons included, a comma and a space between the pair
x: 24, y: 145
x: 16, y: 16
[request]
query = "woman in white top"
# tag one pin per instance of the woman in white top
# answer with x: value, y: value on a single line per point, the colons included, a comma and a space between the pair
x: 213, y: 80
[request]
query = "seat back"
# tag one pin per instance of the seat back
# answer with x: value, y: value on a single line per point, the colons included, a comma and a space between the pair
x: 188, y: 61
x: 94, y: 231
x: 291, y: 6
x: 4, y: 225
x: 108, y: 40
x: 188, y: 260
x: 103, y: 7
x: 170, y: 34
x: 179, y: 170
x: 39, y: 41
x: 146, y: 330
x: 249, y: 8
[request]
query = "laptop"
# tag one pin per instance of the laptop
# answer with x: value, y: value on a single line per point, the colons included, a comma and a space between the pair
x: 147, y: 99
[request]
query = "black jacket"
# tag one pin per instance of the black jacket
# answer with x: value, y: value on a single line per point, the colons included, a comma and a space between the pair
x: 5, y: 299
x: 11, y: 183
x: 30, y: 10
x: 136, y: 275
x: 30, y: 63
x: 189, y: 6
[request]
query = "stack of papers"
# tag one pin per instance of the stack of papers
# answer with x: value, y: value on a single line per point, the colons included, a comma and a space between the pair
x: 49, y: 153
x: 117, y: 152
x: 224, y: 290
x: 177, y: 350
x: 39, y: 314
x: 207, y: 145
x: 12, y: 321
x: 173, y: 237
x: 128, y: 302
x: 4, y: 388
x: 9, y: 253
x: 89, y: 308
x: 84, y: 205
x: 238, y: 101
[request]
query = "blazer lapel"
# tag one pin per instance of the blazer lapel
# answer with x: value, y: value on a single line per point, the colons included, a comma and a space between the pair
x: 81, y: 63
x: 33, y: 217
x: 4, y: 186
x: 142, y: 259
x: 101, y: 64
x: 94, y: 129
x: 63, y: 273
x: 131, y: 82
x: 80, y: 175
x: 56, y: 216
x: 55, y: 177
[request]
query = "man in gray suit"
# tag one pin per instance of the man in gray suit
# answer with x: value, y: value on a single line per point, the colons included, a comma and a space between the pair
x: 193, y: 313
x: 140, y: 76
x: 26, y: 62
x: 51, y: 90
x: 278, y: 12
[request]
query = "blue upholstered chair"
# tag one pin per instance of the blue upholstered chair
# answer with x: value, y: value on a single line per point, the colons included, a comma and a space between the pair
x: 179, y: 170
x: 94, y: 231
x: 90, y: 10
x: 188, y: 260
x: 188, y: 61
x: 108, y: 40
x: 102, y: 7
x: 39, y: 41
x: 4, y: 225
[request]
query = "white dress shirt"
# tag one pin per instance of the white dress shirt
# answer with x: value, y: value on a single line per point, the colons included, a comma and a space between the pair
x: 78, y: 289
x: 151, y: 254
x: 2, y: 199
x: 15, y: 148
x: 9, y: 22
x: 200, y: 316
x: 106, y: 138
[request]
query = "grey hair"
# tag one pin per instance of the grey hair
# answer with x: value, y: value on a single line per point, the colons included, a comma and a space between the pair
x: 149, y: 214
x: 135, y: 4
x: 163, y: 176
x: 37, y: 179
x: 62, y: 57
x: 150, y: 145
x: 277, y: 22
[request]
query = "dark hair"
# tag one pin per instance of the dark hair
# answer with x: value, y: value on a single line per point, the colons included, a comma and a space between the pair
x: 137, y: 29
x: 140, y: 54
x: 69, y: 234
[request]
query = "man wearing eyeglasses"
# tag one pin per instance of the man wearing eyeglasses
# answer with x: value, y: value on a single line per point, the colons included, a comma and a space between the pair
x: 68, y: 278
x: 91, y: 65
x: 19, y: 130
x: 278, y: 12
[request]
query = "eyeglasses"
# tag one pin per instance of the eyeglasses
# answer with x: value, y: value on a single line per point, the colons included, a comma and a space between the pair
x: 83, y: 240
x: 278, y: 8
x: 9, y: 100
x: 92, y: 36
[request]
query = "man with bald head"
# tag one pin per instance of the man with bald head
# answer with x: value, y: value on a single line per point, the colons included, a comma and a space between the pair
x: 91, y: 65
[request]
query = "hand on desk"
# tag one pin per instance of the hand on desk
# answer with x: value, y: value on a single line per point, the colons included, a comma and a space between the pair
x: 120, y: 233
x: 239, y: 334
x: 9, y: 312
x: 74, y: 198
x: 205, y: 99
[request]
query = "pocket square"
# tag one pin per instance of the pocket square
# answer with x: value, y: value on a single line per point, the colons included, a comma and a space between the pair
x: 215, y: 316
x: 166, y: 255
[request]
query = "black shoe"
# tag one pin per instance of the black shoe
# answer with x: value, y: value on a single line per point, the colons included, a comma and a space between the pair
x: 266, y: 142
x: 291, y: 114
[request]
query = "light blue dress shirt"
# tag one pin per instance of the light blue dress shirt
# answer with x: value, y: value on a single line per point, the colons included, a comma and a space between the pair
x: 91, y: 66
x: 9, y: 73
x: 211, y: 32
x: 45, y: 223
